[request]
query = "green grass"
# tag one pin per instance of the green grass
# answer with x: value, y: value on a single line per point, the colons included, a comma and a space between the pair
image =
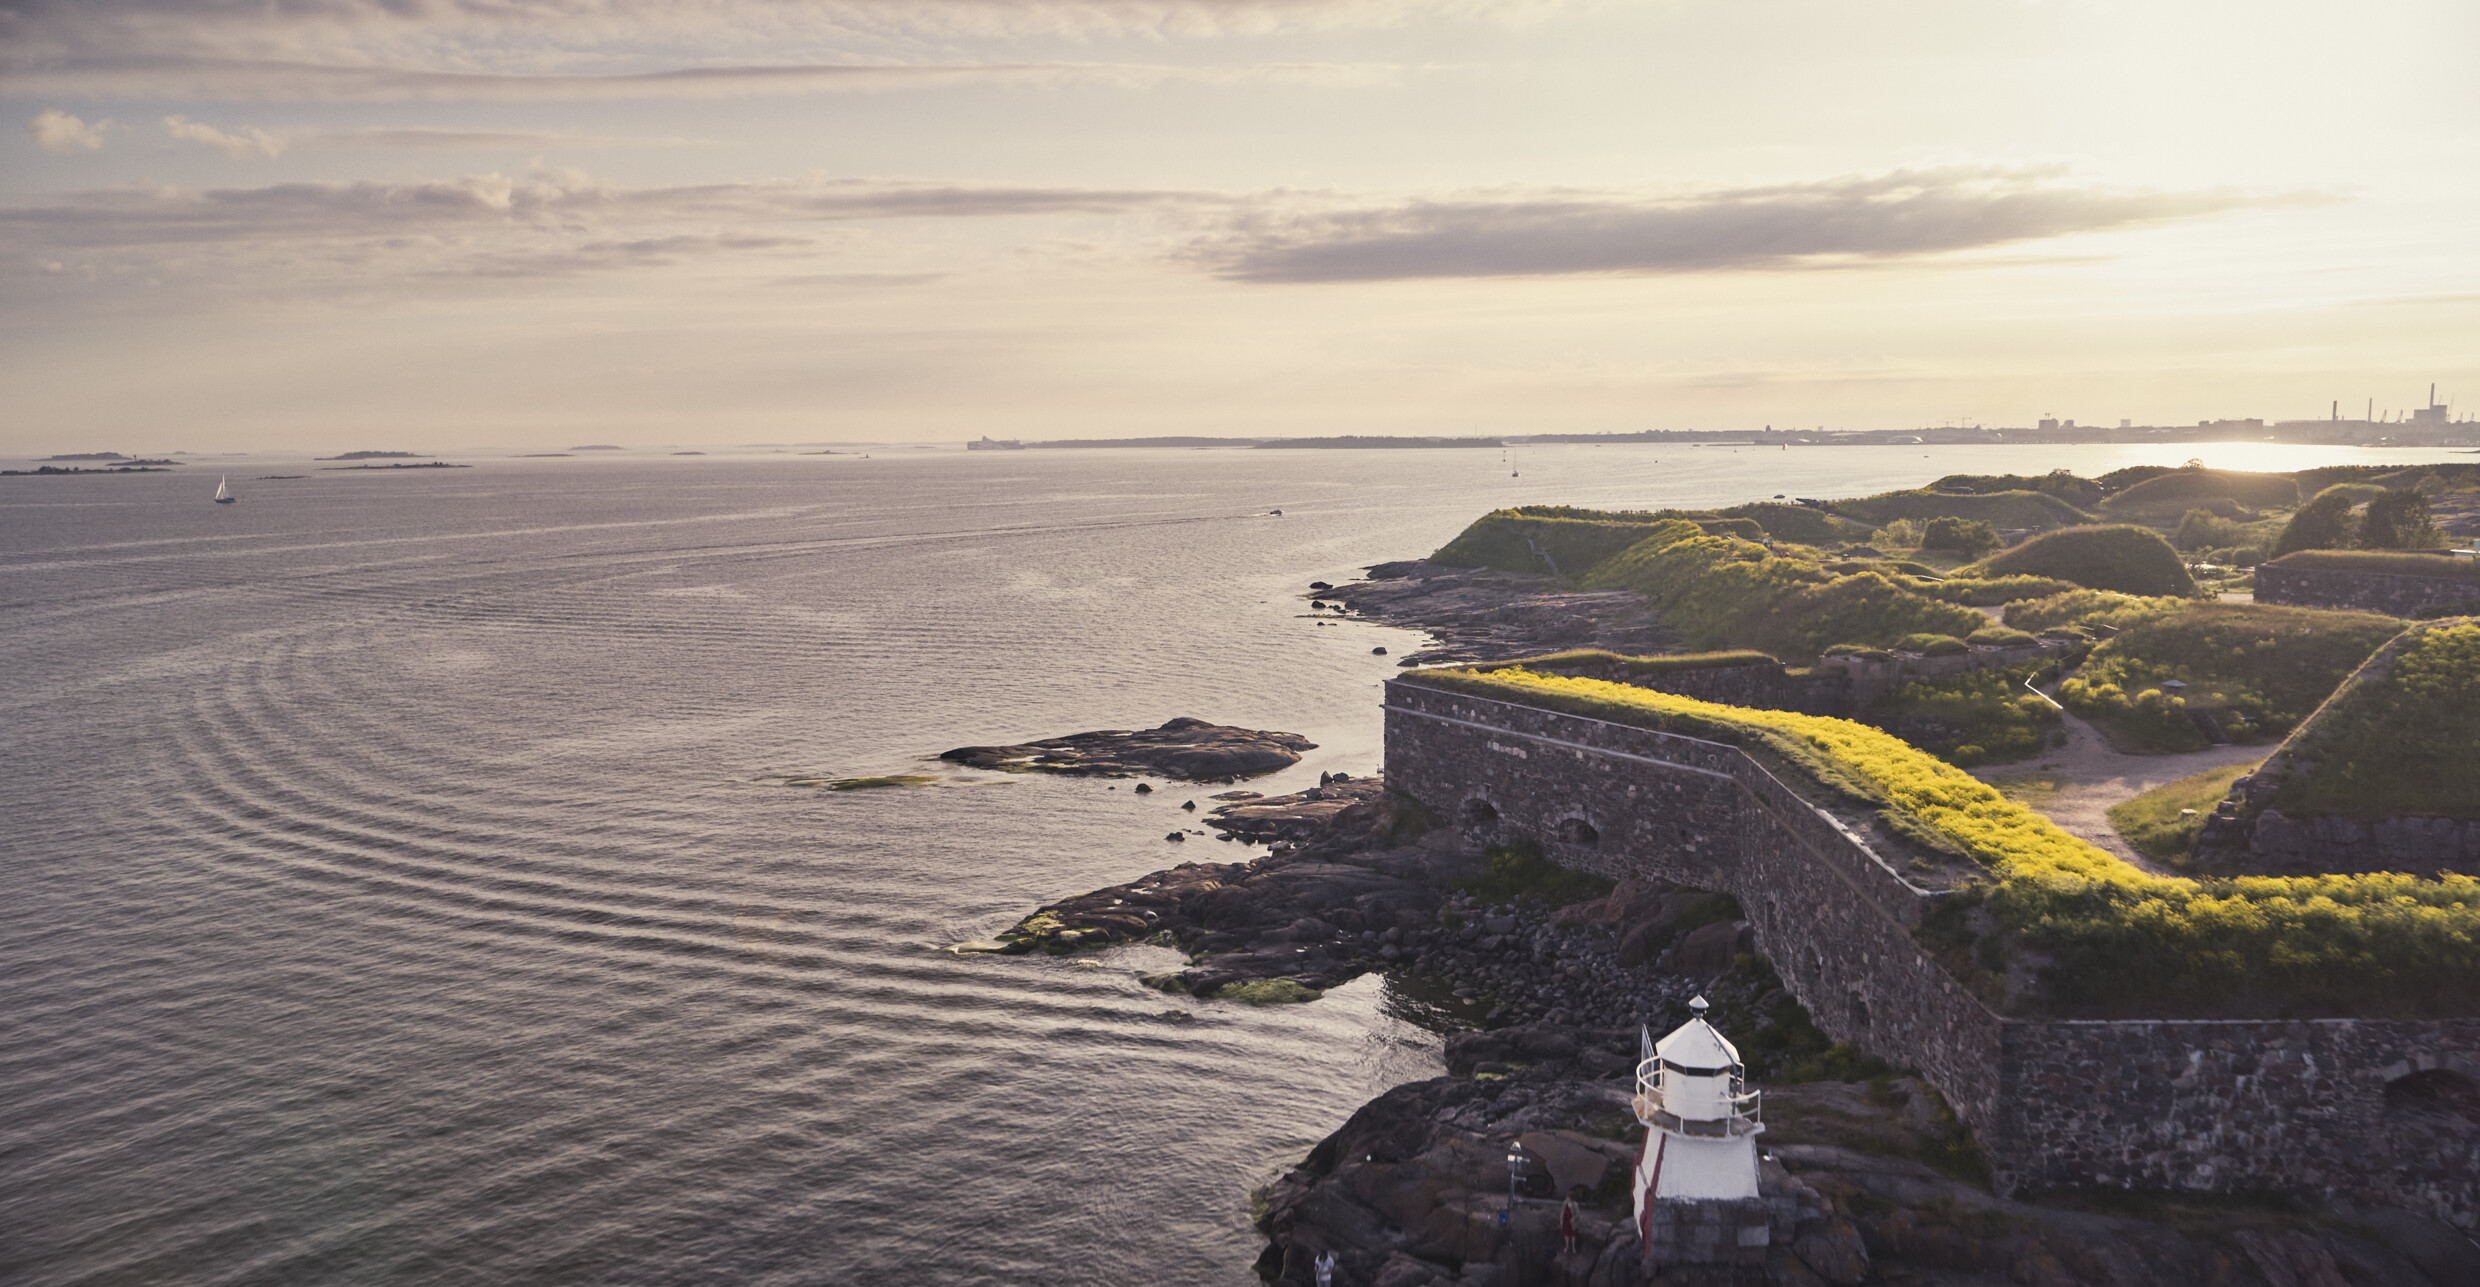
x: 1975, y: 718
x: 1797, y: 523
x: 2259, y: 668
x: 1506, y: 540
x: 2083, y: 493
x: 1268, y: 992
x: 2441, y: 566
x: 2180, y: 490
x: 1989, y: 592
x: 2162, y: 823
x: 2117, y: 940
x: 1719, y: 592
x: 1666, y: 664
x: 2402, y: 740
x: 2117, y: 556
x: 1998, y: 509
x: 2090, y: 609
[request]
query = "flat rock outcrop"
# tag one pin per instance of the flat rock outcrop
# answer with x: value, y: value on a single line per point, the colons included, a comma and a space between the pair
x: 1184, y: 748
x: 1481, y: 615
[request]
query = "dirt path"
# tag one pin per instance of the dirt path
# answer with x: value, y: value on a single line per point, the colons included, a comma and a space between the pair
x: 2075, y: 785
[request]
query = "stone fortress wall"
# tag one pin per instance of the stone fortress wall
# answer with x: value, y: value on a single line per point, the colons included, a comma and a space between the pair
x: 2331, y: 1107
x: 2394, y: 594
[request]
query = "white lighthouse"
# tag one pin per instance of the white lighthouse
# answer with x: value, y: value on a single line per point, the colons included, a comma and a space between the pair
x: 1701, y: 1121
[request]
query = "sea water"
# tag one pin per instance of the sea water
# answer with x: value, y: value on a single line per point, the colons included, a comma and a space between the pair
x: 403, y: 884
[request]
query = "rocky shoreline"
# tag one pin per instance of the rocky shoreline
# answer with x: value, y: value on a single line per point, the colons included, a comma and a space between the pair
x: 1869, y: 1179
x: 1481, y: 615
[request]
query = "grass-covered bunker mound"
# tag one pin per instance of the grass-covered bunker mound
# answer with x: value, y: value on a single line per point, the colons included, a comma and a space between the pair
x: 2401, y: 739
x: 2108, y: 556
x: 2254, y: 670
x: 2172, y: 494
x: 2100, y: 936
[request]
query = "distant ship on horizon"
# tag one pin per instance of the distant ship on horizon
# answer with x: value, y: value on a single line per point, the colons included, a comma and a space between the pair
x: 989, y: 443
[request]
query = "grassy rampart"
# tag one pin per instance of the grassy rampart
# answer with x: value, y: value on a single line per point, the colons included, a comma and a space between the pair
x: 1507, y: 540
x: 2113, y: 556
x: 2174, y: 493
x: 2257, y: 669
x: 2441, y: 566
x: 1998, y: 509
x: 2401, y: 739
x: 2116, y: 940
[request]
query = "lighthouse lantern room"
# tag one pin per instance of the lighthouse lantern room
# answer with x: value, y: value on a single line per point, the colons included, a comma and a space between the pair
x: 1701, y: 1120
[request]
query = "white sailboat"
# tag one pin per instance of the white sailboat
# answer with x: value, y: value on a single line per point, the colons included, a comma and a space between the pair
x: 223, y: 490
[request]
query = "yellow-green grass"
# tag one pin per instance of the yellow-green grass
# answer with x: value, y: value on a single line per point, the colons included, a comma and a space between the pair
x: 2403, y: 739
x: 2110, y: 556
x: 1665, y: 664
x: 1989, y: 592
x: 2162, y: 823
x: 2258, y: 668
x: 1507, y: 540
x: 2118, y: 940
x: 1720, y: 592
x: 2098, y: 610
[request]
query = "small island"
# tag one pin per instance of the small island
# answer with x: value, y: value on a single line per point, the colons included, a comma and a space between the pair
x: 373, y: 455
x: 432, y: 464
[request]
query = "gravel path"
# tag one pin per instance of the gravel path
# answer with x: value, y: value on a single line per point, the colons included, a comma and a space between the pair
x: 2091, y: 776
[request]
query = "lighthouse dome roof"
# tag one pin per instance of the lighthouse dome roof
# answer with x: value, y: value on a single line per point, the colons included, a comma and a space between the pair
x: 1695, y: 1046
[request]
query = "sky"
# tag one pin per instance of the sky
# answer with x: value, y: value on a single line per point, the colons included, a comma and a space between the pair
x: 310, y: 224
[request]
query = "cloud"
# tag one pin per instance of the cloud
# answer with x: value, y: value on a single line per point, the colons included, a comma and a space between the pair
x: 60, y: 133
x: 271, y: 80
x: 435, y: 140
x: 1835, y: 223
x: 260, y: 50
x: 246, y: 143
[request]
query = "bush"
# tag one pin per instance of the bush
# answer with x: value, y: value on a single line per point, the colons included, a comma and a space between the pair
x: 2205, y: 530
x: 1931, y: 645
x: 2257, y: 668
x: 2180, y: 490
x: 1978, y: 717
x: 2399, y: 521
x: 1968, y: 537
x: 2090, y: 608
x: 1719, y: 592
x: 2118, y: 556
x: 1794, y: 522
x: 1519, y: 872
x: 2118, y: 939
x: 2325, y: 522
x: 1999, y: 637
x: 1989, y: 592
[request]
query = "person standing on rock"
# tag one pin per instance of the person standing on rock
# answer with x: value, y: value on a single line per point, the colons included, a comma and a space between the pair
x: 1326, y: 1269
x: 1567, y: 1227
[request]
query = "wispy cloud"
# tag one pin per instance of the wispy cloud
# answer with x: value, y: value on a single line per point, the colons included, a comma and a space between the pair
x: 267, y: 80
x: 236, y: 144
x: 1834, y: 223
x: 61, y: 134
x: 608, y: 49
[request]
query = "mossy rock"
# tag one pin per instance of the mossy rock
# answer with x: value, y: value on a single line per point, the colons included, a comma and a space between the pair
x: 1270, y: 992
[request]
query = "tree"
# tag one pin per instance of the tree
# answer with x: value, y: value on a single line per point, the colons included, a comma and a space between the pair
x: 2322, y: 524
x: 2398, y: 520
x: 1966, y: 536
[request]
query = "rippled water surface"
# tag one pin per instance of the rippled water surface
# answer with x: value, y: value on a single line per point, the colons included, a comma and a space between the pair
x: 395, y: 892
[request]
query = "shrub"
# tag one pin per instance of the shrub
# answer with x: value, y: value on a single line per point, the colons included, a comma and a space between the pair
x: 1968, y: 537
x: 1978, y: 717
x: 2117, y: 556
x: 2090, y: 608
x: 1999, y: 637
x: 2399, y: 521
x: 2117, y: 938
x: 2257, y: 668
x: 2325, y: 522
x: 2402, y: 740
x: 1717, y: 592
x: 2204, y: 530
x: 2180, y: 490
x: 1518, y: 872
x: 1667, y: 663
x: 1989, y: 592
x: 1932, y: 645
